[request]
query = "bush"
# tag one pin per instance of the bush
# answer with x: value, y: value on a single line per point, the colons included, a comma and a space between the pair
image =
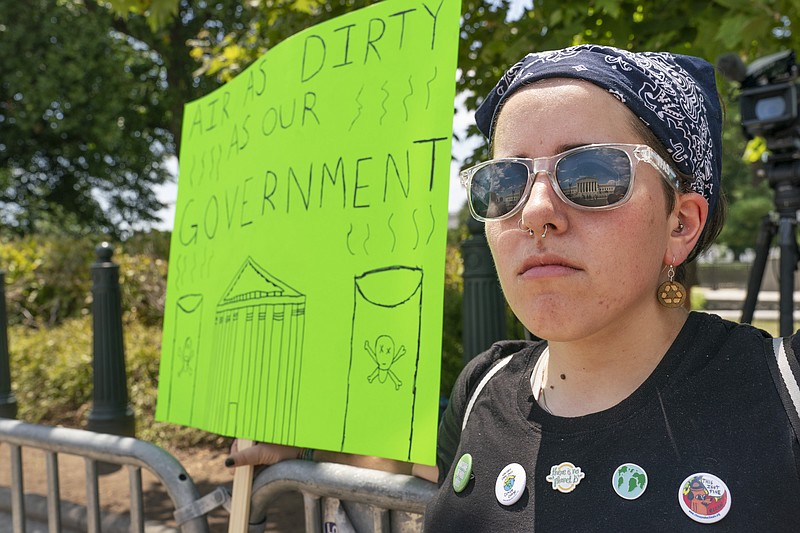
x: 143, y: 288
x: 51, y: 371
x: 49, y: 280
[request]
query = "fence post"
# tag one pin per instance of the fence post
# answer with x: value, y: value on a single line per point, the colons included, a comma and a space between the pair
x: 110, y: 412
x: 8, y: 403
x: 483, y: 305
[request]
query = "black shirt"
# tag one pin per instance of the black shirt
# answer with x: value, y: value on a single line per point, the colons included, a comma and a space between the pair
x: 709, y: 407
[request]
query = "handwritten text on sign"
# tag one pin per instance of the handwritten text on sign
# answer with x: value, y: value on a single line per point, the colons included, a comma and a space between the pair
x: 305, y: 286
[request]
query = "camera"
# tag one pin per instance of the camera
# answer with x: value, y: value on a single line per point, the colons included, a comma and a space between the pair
x: 768, y: 102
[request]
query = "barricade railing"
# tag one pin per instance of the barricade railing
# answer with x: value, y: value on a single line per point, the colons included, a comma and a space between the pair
x: 97, y: 449
x: 370, y: 500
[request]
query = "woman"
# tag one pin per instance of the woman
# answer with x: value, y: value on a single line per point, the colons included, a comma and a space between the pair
x: 632, y: 413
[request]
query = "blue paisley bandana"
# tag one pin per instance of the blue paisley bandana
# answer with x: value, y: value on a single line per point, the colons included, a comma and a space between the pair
x: 674, y: 95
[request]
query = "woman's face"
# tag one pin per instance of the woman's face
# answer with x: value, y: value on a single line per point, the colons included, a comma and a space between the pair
x: 595, y: 271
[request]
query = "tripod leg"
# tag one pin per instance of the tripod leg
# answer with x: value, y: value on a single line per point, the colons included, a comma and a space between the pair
x: 765, y: 234
x: 788, y: 265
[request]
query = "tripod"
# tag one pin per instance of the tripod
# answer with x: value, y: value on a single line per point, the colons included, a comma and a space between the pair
x: 783, y: 177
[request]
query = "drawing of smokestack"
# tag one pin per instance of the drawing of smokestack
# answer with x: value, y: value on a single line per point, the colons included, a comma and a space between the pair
x: 384, y: 354
x: 184, y: 370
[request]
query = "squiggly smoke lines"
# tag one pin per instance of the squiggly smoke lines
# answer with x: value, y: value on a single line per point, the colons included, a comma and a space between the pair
x: 360, y: 107
x: 406, y: 97
x: 383, y: 102
x: 433, y: 225
x: 192, y: 268
x: 435, y: 74
x: 391, y: 230
x: 416, y: 229
x: 349, y: 233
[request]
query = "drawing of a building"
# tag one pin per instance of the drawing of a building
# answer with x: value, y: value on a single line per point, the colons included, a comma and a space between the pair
x: 257, y: 357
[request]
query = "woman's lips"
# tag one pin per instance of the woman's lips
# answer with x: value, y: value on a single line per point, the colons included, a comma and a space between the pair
x: 547, y: 266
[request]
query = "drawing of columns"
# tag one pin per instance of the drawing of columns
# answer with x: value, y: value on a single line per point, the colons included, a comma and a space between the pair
x: 384, y: 354
x: 257, y: 357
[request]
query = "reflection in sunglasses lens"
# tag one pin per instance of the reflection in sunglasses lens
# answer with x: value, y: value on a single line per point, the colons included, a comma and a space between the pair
x: 595, y: 178
x: 497, y: 188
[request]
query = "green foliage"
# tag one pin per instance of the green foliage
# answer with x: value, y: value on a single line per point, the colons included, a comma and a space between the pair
x: 49, y: 288
x: 491, y: 40
x: 750, y: 205
x: 223, y: 55
x: 143, y: 285
x: 91, y: 104
x: 158, y: 14
x: 698, y: 300
x: 748, y: 199
x: 82, y: 141
x: 152, y: 243
x: 51, y: 371
x: 48, y: 279
x: 163, y: 53
x: 52, y: 379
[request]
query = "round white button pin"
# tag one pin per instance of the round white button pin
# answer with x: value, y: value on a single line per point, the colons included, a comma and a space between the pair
x: 704, y: 498
x: 510, y: 484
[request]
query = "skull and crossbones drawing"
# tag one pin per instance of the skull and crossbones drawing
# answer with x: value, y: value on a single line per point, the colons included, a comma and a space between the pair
x: 186, y: 354
x: 384, y: 355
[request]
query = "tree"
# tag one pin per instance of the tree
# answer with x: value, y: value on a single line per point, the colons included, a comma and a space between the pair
x: 79, y: 146
x: 177, y: 50
x: 165, y: 34
x: 90, y: 110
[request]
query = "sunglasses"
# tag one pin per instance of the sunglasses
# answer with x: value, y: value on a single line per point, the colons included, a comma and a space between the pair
x: 595, y: 177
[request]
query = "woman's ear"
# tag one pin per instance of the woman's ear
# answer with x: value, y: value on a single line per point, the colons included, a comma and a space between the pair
x: 687, y: 220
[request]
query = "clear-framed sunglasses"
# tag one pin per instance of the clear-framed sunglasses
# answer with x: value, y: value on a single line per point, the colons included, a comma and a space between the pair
x: 593, y: 177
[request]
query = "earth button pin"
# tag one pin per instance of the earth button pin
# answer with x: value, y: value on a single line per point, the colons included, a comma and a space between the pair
x: 629, y: 481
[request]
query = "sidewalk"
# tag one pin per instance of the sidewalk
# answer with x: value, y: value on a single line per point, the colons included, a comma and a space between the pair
x: 30, y: 526
x: 728, y: 303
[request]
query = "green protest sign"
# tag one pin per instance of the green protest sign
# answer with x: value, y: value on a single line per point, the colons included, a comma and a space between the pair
x: 304, y: 295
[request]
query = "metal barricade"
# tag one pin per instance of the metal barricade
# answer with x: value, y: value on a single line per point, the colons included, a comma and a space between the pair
x: 96, y: 449
x: 374, y: 501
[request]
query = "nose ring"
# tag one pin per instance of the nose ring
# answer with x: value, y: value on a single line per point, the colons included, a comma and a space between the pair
x: 524, y: 227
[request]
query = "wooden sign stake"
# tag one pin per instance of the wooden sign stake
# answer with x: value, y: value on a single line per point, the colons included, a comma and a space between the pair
x: 240, y: 499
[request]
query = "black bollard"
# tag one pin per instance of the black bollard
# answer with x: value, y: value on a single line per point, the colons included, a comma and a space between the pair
x: 8, y: 403
x: 110, y: 412
x: 483, y: 305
